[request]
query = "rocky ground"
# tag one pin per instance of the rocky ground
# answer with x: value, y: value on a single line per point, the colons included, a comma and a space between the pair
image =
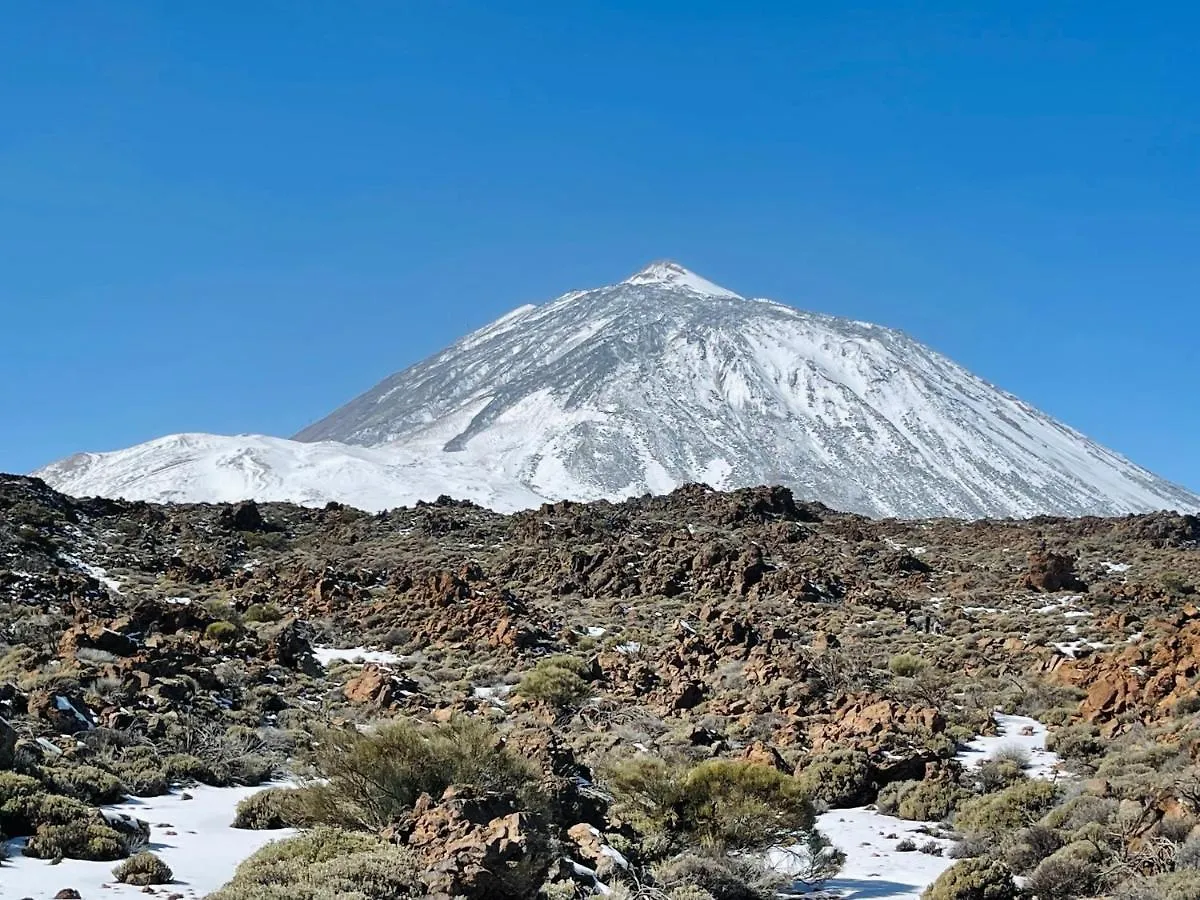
x: 147, y: 647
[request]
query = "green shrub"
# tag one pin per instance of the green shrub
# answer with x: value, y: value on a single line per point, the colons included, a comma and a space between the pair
x: 77, y: 839
x: 93, y: 786
x: 931, y: 801
x: 1076, y: 743
x: 718, y: 877
x: 973, y: 879
x: 1030, y: 846
x: 839, y: 779
x: 723, y: 805
x: 557, y: 680
x: 185, y: 767
x: 222, y: 632
x: 906, y: 665
x: 269, y: 810
x: 262, y: 612
x: 997, y: 774
x: 325, y: 864
x: 373, y: 779
x: 1183, y: 885
x: 1073, y: 871
x: 1004, y: 812
x: 143, y: 869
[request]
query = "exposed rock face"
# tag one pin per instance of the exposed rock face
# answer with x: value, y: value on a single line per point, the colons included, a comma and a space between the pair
x: 1148, y: 679
x: 377, y: 685
x: 476, y: 847
x: 1051, y: 572
x: 8, y: 744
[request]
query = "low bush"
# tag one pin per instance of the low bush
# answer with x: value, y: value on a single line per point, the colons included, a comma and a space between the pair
x: 997, y: 774
x: 143, y: 869
x: 906, y: 665
x: 723, y: 805
x: 373, y: 779
x: 718, y: 877
x: 1030, y: 846
x: 93, y: 786
x: 973, y: 879
x: 1073, y: 871
x: 270, y: 809
x: 221, y: 632
x: 1182, y: 885
x: 77, y: 839
x: 1004, y: 812
x: 931, y: 801
x: 839, y: 779
x: 557, y: 681
x: 324, y: 864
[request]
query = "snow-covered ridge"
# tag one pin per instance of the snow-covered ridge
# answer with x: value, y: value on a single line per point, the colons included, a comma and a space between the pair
x: 644, y: 385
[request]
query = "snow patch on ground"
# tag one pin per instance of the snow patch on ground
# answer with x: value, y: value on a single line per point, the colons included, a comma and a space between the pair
x: 1014, y: 731
x: 874, y: 867
x: 193, y: 837
x: 360, y: 655
x: 95, y: 571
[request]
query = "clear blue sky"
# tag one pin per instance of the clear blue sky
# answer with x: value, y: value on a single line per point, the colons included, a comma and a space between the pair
x: 233, y: 217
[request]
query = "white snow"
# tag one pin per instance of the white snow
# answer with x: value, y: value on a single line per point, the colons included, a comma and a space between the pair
x: 660, y: 380
x: 96, y: 572
x: 1116, y: 568
x: 359, y: 655
x: 1014, y: 731
x: 193, y: 837
x: 874, y: 868
x: 671, y: 274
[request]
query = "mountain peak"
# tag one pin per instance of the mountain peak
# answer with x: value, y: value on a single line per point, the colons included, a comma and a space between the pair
x: 666, y: 273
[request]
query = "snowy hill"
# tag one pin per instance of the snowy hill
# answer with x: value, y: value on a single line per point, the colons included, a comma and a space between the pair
x: 640, y: 386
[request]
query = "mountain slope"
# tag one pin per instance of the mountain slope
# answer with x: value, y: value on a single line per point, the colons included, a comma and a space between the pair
x: 212, y: 468
x: 640, y: 386
x: 667, y: 378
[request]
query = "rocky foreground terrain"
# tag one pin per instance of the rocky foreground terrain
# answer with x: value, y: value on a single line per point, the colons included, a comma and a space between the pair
x: 639, y: 698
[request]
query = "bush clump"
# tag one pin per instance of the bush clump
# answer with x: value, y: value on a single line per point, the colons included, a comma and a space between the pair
x: 77, y: 839
x: 324, y: 864
x: 222, y: 632
x: 269, y: 810
x: 722, y: 805
x: 973, y: 879
x: 839, y: 779
x: 906, y: 665
x: 718, y: 877
x: 1182, y: 885
x: 921, y: 801
x: 373, y: 779
x: 92, y: 786
x: 1011, y: 809
x: 143, y: 869
x: 1070, y: 872
x: 557, y: 680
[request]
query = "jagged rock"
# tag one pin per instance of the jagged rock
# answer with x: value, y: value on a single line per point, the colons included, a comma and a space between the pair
x: 1050, y: 572
x: 244, y: 517
x: 477, y: 847
x: 291, y: 646
x: 765, y: 755
x: 66, y: 713
x: 95, y: 637
x: 8, y: 744
x: 378, y: 686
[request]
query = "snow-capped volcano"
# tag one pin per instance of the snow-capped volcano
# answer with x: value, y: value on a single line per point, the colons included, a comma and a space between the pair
x: 658, y: 380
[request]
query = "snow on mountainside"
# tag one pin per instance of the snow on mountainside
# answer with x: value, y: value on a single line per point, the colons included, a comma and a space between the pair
x: 214, y: 468
x: 641, y: 386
